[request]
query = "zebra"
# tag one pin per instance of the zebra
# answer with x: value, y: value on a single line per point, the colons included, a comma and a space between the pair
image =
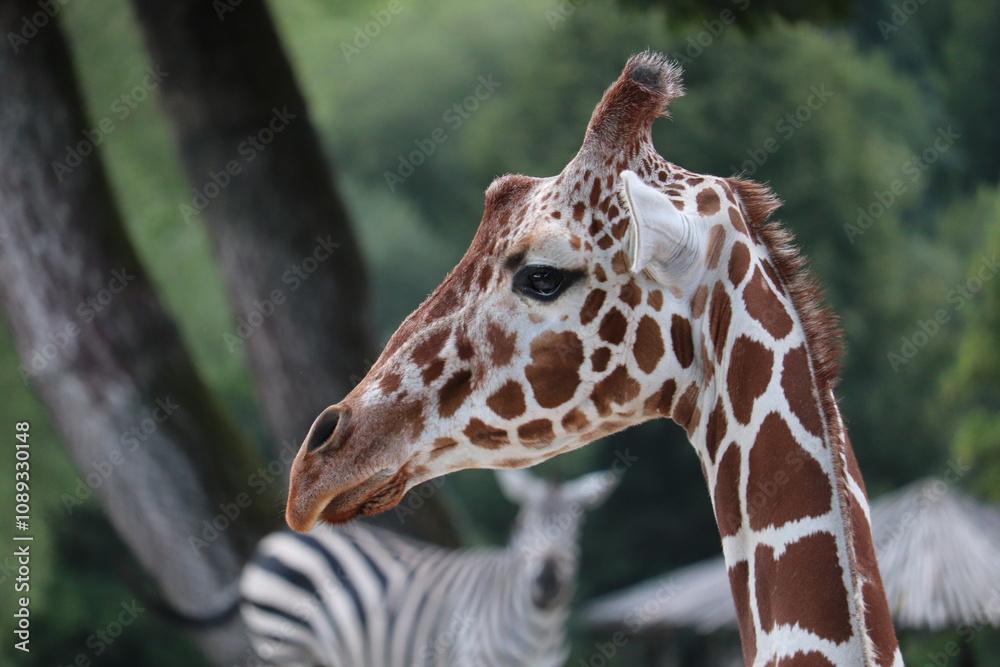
x: 362, y: 596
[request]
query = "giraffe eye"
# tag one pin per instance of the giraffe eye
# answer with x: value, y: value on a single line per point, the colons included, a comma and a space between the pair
x: 542, y: 283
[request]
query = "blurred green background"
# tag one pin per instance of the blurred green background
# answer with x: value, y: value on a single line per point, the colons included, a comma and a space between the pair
x: 905, y: 132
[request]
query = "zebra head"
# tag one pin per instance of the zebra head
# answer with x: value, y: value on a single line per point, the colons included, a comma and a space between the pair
x: 546, y: 535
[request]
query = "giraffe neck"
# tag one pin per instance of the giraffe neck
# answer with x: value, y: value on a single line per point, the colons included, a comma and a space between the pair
x: 789, y: 503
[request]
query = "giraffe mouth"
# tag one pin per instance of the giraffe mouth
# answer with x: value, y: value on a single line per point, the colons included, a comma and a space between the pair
x: 380, y: 492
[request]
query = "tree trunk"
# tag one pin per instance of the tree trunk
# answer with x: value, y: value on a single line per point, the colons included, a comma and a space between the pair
x: 263, y: 188
x: 98, y: 348
x: 280, y: 235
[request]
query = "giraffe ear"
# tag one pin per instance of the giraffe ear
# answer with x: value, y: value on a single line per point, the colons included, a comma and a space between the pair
x: 592, y: 489
x: 519, y: 486
x: 663, y: 241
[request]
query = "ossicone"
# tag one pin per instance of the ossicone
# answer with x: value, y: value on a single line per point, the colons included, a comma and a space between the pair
x: 625, y: 114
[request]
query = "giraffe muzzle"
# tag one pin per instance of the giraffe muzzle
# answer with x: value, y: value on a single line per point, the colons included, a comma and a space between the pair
x: 334, y: 478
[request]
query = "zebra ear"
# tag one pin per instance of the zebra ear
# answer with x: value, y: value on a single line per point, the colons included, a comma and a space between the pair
x: 519, y: 486
x: 663, y: 241
x: 592, y: 489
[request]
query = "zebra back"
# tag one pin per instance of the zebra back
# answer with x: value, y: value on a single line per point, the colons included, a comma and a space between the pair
x: 358, y: 595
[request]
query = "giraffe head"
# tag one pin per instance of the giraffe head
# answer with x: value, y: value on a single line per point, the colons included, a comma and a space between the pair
x: 545, y: 538
x: 624, y: 289
x: 571, y: 316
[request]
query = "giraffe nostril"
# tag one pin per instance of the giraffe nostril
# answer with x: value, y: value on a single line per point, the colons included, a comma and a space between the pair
x: 322, y: 430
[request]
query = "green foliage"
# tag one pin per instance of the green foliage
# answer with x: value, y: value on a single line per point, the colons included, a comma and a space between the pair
x: 972, y: 385
x: 972, y: 91
x: 749, y: 15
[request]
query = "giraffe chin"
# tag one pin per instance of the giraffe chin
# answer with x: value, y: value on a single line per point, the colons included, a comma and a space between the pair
x: 371, y: 496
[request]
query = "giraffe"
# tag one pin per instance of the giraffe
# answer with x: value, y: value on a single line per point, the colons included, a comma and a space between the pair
x: 622, y: 290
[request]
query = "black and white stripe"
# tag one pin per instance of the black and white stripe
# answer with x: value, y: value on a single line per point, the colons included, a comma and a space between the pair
x: 357, y: 595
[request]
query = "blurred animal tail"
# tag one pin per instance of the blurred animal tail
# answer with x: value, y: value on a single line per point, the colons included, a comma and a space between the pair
x: 221, y: 613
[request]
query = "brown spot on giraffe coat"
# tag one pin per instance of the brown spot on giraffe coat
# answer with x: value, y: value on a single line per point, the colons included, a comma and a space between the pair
x: 716, y: 240
x: 600, y: 358
x: 804, y: 585
x: 483, y: 435
x: 507, y: 401
x: 592, y: 306
x: 681, y: 338
x: 715, y: 429
x: 554, y: 371
x: 764, y: 306
x: 739, y: 262
x: 619, y: 262
x: 750, y: 368
x: 433, y: 371
x: 617, y: 387
x: 728, y: 513
x: 501, y: 344
x: 427, y: 350
x: 785, y: 483
x: 454, y: 392
x: 442, y: 445
x: 613, y: 327
x: 536, y: 433
x: 739, y: 582
x: 797, y: 383
x: 648, y: 347
x: 630, y: 294
x: 390, y: 382
x: 575, y: 421
x: 708, y: 202
x: 720, y: 314
x: 737, y: 220
x: 698, y: 301
x: 685, y: 409
x: 655, y: 300
x: 662, y: 402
